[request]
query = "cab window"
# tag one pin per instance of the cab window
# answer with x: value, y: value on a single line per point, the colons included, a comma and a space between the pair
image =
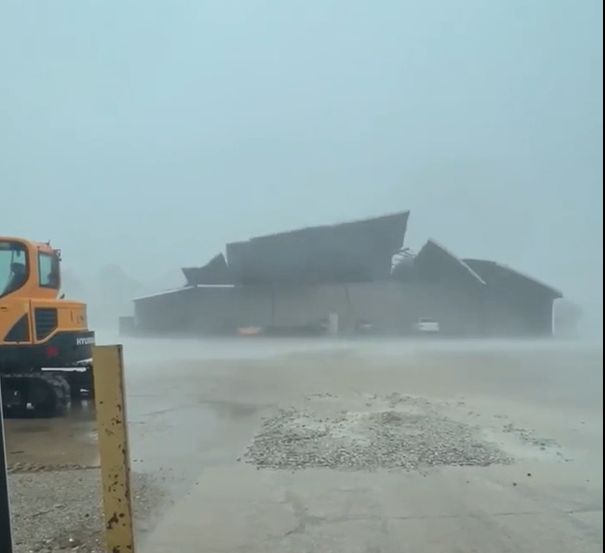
x: 13, y: 267
x: 48, y: 267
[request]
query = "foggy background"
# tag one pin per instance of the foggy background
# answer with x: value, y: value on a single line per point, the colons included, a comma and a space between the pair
x: 142, y: 136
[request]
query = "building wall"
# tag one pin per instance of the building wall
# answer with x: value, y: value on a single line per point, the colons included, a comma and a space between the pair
x: 508, y: 312
x: 397, y: 306
x: 391, y: 307
x: 298, y: 306
x: 514, y: 303
x: 165, y: 313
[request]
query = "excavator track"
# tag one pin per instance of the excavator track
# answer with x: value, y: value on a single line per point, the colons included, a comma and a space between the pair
x: 39, y: 394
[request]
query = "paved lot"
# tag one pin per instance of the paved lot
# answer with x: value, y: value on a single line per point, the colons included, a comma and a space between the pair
x: 196, y: 408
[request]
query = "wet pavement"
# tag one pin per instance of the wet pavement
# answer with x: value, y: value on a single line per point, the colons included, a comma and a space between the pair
x: 54, y: 442
x: 194, y: 407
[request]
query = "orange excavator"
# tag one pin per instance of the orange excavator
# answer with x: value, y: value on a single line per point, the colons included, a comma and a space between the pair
x: 45, y: 343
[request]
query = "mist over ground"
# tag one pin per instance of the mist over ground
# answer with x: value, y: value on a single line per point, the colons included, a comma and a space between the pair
x: 142, y: 137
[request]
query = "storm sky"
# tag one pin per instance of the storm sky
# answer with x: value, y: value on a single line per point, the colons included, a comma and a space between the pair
x: 148, y: 134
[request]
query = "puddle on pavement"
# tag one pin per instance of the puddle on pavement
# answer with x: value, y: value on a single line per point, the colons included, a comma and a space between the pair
x: 66, y: 440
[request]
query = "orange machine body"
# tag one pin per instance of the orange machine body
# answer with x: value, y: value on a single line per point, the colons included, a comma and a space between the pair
x: 32, y: 314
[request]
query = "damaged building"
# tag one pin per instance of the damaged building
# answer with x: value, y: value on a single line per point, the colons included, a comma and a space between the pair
x: 349, y: 278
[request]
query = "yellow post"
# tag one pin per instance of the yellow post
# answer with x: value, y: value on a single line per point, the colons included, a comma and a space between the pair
x: 112, y: 432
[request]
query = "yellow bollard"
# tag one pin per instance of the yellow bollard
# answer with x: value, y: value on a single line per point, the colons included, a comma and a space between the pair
x: 108, y: 371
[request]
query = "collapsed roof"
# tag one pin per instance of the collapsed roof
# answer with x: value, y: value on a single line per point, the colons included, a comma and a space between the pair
x: 434, y: 260
x: 498, y: 275
x: 215, y: 271
x: 358, y: 251
x: 347, y: 252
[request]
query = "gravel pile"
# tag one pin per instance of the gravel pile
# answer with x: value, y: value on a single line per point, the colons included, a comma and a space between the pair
x: 60, y: 511
x: 410, y: 434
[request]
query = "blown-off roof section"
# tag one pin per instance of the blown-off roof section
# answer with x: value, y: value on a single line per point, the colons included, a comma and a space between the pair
x: 346, y: 252
x: 436, y: 261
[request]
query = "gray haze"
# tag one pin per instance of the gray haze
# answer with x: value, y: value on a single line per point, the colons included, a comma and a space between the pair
x: 148, y: 134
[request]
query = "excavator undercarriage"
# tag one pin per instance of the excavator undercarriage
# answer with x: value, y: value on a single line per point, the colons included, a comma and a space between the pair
x: 34, y: 384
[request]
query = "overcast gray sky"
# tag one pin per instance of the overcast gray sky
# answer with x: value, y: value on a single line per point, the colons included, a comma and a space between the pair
x: 150, y: 133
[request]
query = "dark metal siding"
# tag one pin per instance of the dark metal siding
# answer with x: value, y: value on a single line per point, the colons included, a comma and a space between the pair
x: 348, y: 252
x: 392, y: 308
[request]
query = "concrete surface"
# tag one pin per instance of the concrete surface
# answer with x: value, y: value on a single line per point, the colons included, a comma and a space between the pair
x: 208, y: 406
x: 195, y: 407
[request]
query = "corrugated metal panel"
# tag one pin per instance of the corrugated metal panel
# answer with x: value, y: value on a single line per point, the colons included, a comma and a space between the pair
x: 500, y: 275
x: 348, y: 252
x: 215, y: 271
x: 435, y: 262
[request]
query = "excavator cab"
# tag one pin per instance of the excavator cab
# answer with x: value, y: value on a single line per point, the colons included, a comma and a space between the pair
x: 45, y: 343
